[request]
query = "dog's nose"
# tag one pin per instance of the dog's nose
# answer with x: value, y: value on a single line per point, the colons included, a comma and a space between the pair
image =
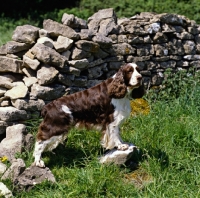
x: 139, y: 78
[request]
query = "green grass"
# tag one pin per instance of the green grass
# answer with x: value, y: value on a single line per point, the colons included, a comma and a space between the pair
x: 168, y: 160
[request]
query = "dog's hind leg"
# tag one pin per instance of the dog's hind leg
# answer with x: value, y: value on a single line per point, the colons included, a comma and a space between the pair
x: 39, y: 148
x: 46, y: 145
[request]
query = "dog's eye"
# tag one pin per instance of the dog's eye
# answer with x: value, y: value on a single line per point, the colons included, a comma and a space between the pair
x: 138, y: 69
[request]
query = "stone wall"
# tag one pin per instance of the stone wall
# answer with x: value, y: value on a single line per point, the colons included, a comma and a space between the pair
x: 39, y: 65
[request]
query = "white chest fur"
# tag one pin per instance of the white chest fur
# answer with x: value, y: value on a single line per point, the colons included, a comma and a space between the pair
x: 122, y: 109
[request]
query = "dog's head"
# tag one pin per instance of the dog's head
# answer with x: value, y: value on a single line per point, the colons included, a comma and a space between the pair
x: 127, y: 79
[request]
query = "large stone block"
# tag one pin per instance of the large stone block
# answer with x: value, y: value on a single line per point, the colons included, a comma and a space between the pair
x: 10, y: 65
x: 47, y: 55
x: 12, y: 114
x: 55, y: 29
x: 26, y: 34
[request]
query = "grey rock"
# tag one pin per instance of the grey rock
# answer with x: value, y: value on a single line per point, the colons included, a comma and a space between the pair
x: 3, y: 168
x: 92, y: 83
x: 80, y: 54
x: 66, y: 79
x: 29, y: 72
x: 14, y: 47
x: 12, y: 114
x: 14, y: 141
x: 182, y: 63
x: 117, y: 157
x: 4, y: 191
x: 192, y: 57
x: 10, y: 65
x: 63, y: 43
x: 102, y: 40
x: 26, y: 34
x: 2, y: 91
x: 168, y: 64
x: 85, y: 34
x: 145, y: 50
x: 195, y: 64
x: 47, y: 92
x: 193, y: 30
x: 95, y: 63
x: 114, y: 58
x: 29, y: 81
x: 160, y: 38
x: 30, y: 63
x: 132, y: 39
x: 197, y: 39
x: 32, y: 176
x: 100, y: 54
x: 80, y: 81
x: 46, y: 41
x: 189, y: 47
x: 43, y: 33
x: 3, y: 50
x: 184, y: 36
x: 95, y: 20
x: 88, y: 46
x: 96, y: 72
x: 161, y: 50
x: 121, y: 49
x: 156, y: 80
x: 172, y: 19
x: 3, y: 126
x: 106, y: 26
x: 47, y: 55
x: 115, y: 65
x: 55, y: 29
x: 66, y: 54
x: 73, y: 21
x: 16, y: 168
x: 46, y: 75
x: 175, y: 47
x: 26, y: 104
x: 153, y: 28
x: 19, y: 91
x: 103, y: 14
x: 80, y: 64
x: 71, y: 70
x: 166, y: 28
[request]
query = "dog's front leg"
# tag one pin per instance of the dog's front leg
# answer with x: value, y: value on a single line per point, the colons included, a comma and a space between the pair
x: 112, y: 138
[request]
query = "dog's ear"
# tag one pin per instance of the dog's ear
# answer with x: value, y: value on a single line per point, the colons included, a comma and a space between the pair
x: 138, y: 92
x: 117, y: 87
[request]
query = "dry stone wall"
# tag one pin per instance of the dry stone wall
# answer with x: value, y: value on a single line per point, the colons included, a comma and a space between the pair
x: 40, y: 65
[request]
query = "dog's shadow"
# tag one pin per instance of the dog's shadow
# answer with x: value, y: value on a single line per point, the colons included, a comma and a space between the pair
x: 143, y: 154
x: 67, y: 155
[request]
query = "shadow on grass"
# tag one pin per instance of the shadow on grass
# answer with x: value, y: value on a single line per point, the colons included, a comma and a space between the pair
x: 143, y: 154
x: 67, y: 155
x: 64, y: 156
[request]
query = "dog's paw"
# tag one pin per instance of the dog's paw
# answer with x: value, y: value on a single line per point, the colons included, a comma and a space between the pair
x: 39, y: 163
x: 122, y: 147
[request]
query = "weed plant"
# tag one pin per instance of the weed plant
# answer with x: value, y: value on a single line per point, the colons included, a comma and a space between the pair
x: 166, y: 164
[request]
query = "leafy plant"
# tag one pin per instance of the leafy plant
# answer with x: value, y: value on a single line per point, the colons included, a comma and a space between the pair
x: 175, y: 84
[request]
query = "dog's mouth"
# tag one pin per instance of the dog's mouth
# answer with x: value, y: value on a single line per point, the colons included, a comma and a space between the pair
x: 139, y: 83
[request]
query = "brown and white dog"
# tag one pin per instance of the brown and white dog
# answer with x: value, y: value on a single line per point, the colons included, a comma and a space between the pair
x: 103, y: 107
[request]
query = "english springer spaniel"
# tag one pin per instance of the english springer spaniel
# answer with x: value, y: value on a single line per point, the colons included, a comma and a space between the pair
x: 103, y: 107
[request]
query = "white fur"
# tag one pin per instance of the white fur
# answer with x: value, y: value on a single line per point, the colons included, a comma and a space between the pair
x: 112, y: 136
x: 47, y: 145
x: 67, y: 110
x: 134, y: 78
